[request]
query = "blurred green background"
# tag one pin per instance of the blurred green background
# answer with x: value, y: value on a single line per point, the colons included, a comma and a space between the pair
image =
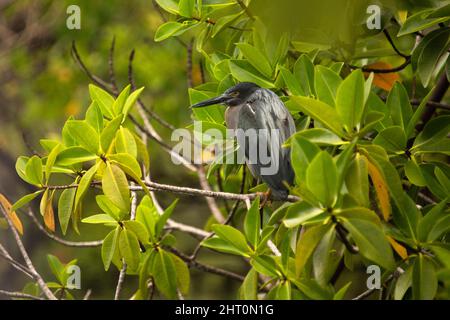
x: 41, y: 86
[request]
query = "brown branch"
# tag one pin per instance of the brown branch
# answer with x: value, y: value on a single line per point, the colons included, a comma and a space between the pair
x: 391, y: 42
x: 190, y: 81
x: 19, y: 295
x: 120, y: 282
x: 205, y: 267
x: 98, y: 81
x: 368, y: 292
x: 376, y: 70
x: 17, y: 265
x: 79, y: 244
x: 112, y: 74
x: 27, y: 259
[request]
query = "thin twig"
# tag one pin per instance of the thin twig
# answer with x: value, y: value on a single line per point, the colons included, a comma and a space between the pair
x: 205, y: 267
x: 27, y: 259
x: 112, y: 75
x: 19, y: 295
x: 79, y: 244
x: 120, y: 282
x: 377, y: 70
x: 17, y: 265
x: 388, y: 37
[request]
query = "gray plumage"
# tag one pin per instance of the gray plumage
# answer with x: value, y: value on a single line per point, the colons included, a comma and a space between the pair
x: 253, y: 107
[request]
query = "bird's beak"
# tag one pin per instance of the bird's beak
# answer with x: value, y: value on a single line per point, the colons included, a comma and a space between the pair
x: 217, y: 100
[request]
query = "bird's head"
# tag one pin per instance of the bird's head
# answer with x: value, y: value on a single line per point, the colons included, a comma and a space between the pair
x: 234, y: 96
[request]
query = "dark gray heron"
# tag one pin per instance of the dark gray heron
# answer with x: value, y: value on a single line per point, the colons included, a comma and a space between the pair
x: 253, y: 107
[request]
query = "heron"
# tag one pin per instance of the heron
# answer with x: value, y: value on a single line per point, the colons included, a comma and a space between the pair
x: 251, y: 107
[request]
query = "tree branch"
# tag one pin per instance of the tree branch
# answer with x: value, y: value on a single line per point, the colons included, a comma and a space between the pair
x: 27, y: 259
x: 205, y: 267
x: 79, y: 244
x: 19, y: 295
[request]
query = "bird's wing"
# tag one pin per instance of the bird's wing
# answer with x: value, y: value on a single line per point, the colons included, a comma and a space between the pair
x: 268, y: 112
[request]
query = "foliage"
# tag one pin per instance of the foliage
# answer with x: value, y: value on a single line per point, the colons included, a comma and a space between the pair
x: 371, y: 171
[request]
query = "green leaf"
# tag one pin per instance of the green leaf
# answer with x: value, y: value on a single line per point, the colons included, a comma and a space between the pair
x: 224, y: 22
x: 256, y: 58
x: 243, y: 71
x: 326, y: 82
x: 299, y: 213
x: 403, y: 283
x: 420, y: 21
x: 371, y: 241
x: 265, y: 265
x: 94, y: 117
x: 435, y: 130
x: 249, y: 287
x: 65, y: 207
x: 291, y: 82
x: 125, y: 142
x: 57, y: 268
x: 186, y: 8
x: 399, y: 105
x: 147, y: 214
x: 172, y: 28
x: 165, y: 274
x: 357, y: 180
x: 120, y: 101
x: 51, y: 161
x: 321, y: 112
x: 424, y: 280
x: 104, y: 100
x: 73, y: 155
x: 128, y: 164
x: 183, y: 275
x: 131, y: 100
x: 350, y: 100
x: 218, y: 244
x: 392, y: 139
x: 340, y: 294
x: 25, y: 199
x: 108, y: 207
x: 33, y: 170
x: 252, y: 223
x: 99, y: 219
x: 321, y: 179
x: 307, y: 243
x: 429, y: 57
x: 129, y: 249
x: 109, y: 246
x: 170, y: 6
x: 414, y: 173
x: 84, y: 134
x: 320, y: 136
x: 302, y: 153
x: 304, y: 72
x: 284, y: 291
x: 159, y: 226
x: 109, y: 132
x: 232, y: 236
x: 84, y: 184
x: 138, y: 229
x: 115, y: 187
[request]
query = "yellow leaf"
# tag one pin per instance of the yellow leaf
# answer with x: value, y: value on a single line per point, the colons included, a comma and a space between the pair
x: 383, y: 80
x: 49, y: 215
x: 12, y: 214
x: 381, y: 189
x: 401, y: 250
x: 402, y: 14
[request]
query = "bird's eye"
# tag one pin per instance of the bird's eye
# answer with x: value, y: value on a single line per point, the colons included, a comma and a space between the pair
x: 234, y: 94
